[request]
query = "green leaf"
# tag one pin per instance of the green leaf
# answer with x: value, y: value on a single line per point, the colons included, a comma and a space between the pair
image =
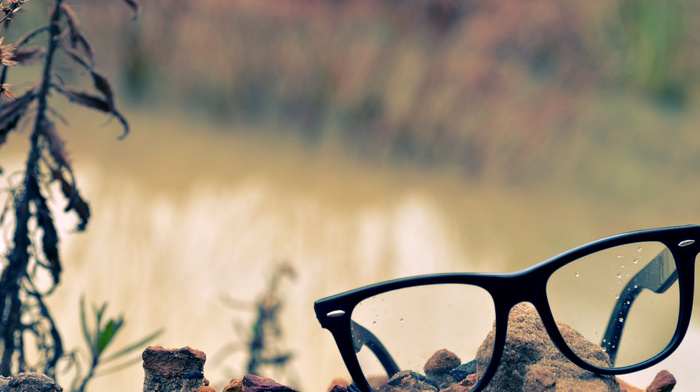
x: 99, y: 313
x: 133, y: 346
x: 105, y: 337
x: 86, y: 331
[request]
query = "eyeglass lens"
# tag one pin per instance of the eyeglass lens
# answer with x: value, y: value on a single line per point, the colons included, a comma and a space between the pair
x: 416, y: 322
x: 626, y: 299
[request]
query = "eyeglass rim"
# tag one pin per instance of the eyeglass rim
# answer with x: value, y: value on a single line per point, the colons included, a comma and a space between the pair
x: 334, y: 312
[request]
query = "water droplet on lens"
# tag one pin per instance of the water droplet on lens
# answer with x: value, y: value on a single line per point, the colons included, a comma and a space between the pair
x: 577, y: 275
x: 619, y: 276
x: 374, y: 323
x: 617, y: 296
x: 401, y: 321
x: 636, y: 261
x: 639, y: 249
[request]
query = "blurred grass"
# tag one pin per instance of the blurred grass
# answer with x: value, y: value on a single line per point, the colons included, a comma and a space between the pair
x: 486, y: 87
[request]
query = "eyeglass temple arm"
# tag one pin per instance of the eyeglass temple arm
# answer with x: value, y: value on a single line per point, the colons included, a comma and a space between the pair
x: 657, y: 276
x: 363, y: 337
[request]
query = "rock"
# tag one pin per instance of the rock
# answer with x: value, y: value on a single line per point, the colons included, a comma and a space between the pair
x: 252, y: 383
x: 173, y: 370
x: 440, y: 366
x: 29, y: 382
x: 463, y: 371
x: 663, y: 382
x: 531, y: 362
x: 339, y: 388
x: 442, y: 362
x: 409, y: 381
x: 338, y: 385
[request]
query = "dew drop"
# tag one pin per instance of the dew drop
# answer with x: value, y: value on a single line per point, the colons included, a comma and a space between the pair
x: 605, y: 349
x: 402, y: 320
x: 617, y: 296
x: 639, y: 249
x: 635, y: 286
x: 619, y: 276
x: 620, y: 320
x: 374, y: 323
x: 636, y: 261
x: 577, y: 275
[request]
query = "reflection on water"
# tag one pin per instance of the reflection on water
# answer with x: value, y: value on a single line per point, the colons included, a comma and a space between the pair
x: 180, y: 218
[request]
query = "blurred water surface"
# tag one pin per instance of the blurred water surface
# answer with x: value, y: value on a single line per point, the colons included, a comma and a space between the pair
x: 184, y: 213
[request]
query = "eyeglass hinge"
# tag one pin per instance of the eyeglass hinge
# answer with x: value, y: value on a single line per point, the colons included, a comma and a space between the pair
x: 685, y: 243
x: 335, y: 313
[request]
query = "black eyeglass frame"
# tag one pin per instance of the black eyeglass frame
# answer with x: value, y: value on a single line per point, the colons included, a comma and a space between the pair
x: 508, y: 289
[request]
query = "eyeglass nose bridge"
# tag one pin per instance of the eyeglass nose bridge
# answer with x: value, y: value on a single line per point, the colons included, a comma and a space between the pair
x: 529, y: 287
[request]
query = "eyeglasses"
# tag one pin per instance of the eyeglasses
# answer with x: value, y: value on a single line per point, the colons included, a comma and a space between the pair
x: 629, y: 294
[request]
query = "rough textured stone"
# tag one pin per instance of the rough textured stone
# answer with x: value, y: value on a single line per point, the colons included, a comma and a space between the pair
x: 663, y: 382
x: 339, y: 388
x: 252, y: 383
x: 409, y: 381
x: 531, y: 362
x: 442, y: 362
x: 29, y: 382
x: 440, y: 366
x: 173, y: 370
x: 338, y: 385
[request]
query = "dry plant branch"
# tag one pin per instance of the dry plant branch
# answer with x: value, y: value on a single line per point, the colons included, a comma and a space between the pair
x: 33, y: 249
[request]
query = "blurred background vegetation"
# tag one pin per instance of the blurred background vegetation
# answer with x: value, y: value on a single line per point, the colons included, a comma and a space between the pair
x: 533, y: 126
x: 594, y: 95
x: 587, y: 101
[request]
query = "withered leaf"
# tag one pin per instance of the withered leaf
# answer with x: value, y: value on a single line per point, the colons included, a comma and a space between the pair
x: 135, y: 6
x: 77, y: 39
x: 11, y: 112
x: 75, y: 201
x: 28, y: 55
x: 81, y: 208
x: 49, y: 239
x: 57, y: 147
x: 93, y: 101
x: 66, y: 187
x: 102, y: 85
x: 84, y: 98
